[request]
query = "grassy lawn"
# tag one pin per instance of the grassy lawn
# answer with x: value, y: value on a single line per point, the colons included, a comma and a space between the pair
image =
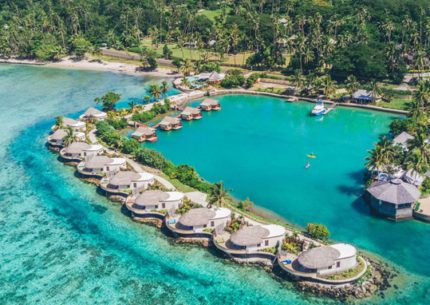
x: 211, y: 14
x: 399, y: 103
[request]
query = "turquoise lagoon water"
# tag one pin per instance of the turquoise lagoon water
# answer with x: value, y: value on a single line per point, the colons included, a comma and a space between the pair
x: 62, y: 243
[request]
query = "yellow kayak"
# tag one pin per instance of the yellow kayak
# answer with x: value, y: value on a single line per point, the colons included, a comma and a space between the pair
x: 312, y: 156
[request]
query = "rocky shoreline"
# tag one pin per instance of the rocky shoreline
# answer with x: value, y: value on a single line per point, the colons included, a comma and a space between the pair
x: 377, y: 280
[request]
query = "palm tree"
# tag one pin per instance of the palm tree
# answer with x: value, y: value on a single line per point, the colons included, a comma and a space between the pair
x: 351, y: 84
x: 382, y: 156
x: 186, y: 67
x: 375, y: 89
x: 132, y: 105
x: 419, y: 157
x: 70, y: 137
x: 422, y: 94
x: 59, y: 122
x: 155, y: 91
x: 164, y: 88
x: 328, y: 85
x: 218, y: 194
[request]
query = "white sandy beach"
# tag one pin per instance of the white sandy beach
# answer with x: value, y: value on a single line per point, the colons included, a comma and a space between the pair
x: 118, y: 67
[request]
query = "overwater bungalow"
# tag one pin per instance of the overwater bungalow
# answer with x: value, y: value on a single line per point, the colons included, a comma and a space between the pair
x: 75, y: 151
x: 403, y: 140
x: 74, y: 124
x: 393, y: 199
x: 191, y: 113
x: 124, y: 183
x: 93, y: 114
x: 153, y: 204
x: 170, y: 123
x: 101, y: 166
x: 210, y: 104
x: 144, y: 133
x: 199, y: 222
x: 257, y: 243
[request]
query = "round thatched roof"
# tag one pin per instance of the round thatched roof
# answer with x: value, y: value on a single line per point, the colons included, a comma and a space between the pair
x: 249, y: 236
x: 395, y: 191
x: 150, y: 198
x: 76, y: 148
x: 124, y: 178
x: 59, y: 134
x: 197, y: 217
x: 98, y: 162
x: 317, y: 258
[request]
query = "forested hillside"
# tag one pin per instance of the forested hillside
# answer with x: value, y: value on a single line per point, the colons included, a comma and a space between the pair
x: 372, y: 39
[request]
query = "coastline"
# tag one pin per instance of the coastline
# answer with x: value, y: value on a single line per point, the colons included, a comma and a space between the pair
x: 89, y: 65
x: 130, y: 69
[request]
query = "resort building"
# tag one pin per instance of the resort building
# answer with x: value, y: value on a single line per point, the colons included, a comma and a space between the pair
x: 254, y: 238
x: 364, y: 97
x: 403, y: 139
x: 100, y: 166
x: 75, y: 125
x: 170, y: 123
x: 326, y: 260
x: 93, y: 114
x: 199, y: 223
x: 154, y: 201
x: 393, y: 199
x: 125, y: 183
x: 75, y: 151
x: 56, y: 139
x: 191, y: 113
x: 197, y: 220
x: 257, y: 243
x: 144, y: 133
x: 210, y: 104
x: 211, y: 77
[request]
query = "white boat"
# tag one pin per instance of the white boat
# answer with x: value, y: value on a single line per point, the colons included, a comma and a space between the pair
x: 319, y: 108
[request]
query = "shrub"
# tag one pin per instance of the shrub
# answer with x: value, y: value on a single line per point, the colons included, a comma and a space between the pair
x: 167, y: 53
x: 117, y: 123
x: 318, y: 231
x: 251, y: 80
x: 233, y: 79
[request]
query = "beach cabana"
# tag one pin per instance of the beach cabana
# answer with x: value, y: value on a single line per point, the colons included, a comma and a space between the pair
x: 393, y: 199
x: 199, y: 219
x: 100, y: 166
x: 93, y: 114
x: 364, y: 97
x: 144, y: 133
x: 210, y: 104
x: 254, y: 238
x: 331, y: 259
x: 154, y: 201
x: 74, y: 124
x: 169, y: 123
x: 127, y: 182
x: 403, y: 139
x: 191, y: 113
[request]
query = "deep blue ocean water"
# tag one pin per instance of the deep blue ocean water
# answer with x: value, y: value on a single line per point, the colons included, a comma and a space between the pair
x: 62, y: 243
